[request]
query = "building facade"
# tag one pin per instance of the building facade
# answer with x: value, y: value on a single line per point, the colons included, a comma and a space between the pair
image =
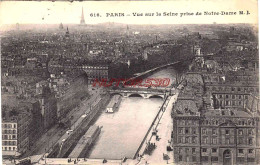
x: 15, y: 132
x: 230, y: 95
x: 48, y: 104
x: 221, y: 136
x: 96, y: 72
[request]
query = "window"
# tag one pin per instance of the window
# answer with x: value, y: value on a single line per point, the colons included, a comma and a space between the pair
x: 193, y: 150
x: 186, y: 150
x: 186, y: 130
x: 250, y: 151
x: 250, y: 141
x: 227, y: 141
x: 240, y: 159
x: 180, y: 158
x: 180, y: 139
x: 220, y: 103
x: 220, y: 96
x: 214, y: 140
x: 205, y: 158
x: 203, y: 131
x: 214, y: 159
x: 241, y: 151
x: 250, y: 132
x: 180, y: 130
x: 227, y: 132
x: 194, y: 159
x: 205, y: 140
x: 233, y: 96
x: 214, y: 150
x: 239, y: 97
x: 238, y: 89
x: 193, y: 130
x: 186, y: 139
x: 240, y: 132
x: 250, y: 159
x: 222, y: 112
x: 193, y: 139
x: 227, y: 103
x: 227, y: 96
x: 240, y: 140
x: 204, y: 149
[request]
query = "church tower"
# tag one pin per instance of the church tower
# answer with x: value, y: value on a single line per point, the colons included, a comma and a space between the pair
x: 82, y: 20
x: 67, y: 35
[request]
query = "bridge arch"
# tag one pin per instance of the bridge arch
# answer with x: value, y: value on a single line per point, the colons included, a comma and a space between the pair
x: 135, y: 95
x: 156, y: 96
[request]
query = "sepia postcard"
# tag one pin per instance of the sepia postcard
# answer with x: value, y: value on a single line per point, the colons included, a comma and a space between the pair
x: 130, y: 82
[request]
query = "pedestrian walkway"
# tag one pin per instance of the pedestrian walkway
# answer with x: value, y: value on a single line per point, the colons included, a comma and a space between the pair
x: 160, y: 154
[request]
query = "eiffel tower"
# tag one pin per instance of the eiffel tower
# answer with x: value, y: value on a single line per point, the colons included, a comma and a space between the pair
x: 82, y: 20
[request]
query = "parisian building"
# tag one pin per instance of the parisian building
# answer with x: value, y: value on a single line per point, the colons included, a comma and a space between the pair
x: 208, y: 135
x: 96, y: 72
x: 15, y: 131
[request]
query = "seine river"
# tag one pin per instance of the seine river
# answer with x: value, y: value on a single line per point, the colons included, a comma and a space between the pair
x: 123, y: 131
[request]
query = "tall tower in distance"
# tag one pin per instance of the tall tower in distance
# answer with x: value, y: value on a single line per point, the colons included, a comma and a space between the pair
x: 82, y: 20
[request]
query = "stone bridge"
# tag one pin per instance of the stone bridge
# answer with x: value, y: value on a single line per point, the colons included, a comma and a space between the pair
x: 141, y: 92
x: 151, y: 71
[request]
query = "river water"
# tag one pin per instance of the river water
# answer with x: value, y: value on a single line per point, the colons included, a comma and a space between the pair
x: 123, y: 131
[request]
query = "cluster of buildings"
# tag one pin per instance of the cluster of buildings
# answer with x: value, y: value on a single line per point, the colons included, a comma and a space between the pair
x: 216, y: 116
x: 29, y: 114
x: 24, y: 120
x: 45, y: 74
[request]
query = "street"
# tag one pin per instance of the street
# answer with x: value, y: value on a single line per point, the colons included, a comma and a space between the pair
x: 50, y: 137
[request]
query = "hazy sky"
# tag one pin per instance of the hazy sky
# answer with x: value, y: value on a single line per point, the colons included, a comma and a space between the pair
x: 12, y: 12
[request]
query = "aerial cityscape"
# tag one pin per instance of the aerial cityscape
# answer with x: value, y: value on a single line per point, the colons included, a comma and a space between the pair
x: 114, y: 93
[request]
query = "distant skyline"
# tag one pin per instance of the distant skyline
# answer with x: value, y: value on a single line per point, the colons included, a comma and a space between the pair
x: 35, y: 12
